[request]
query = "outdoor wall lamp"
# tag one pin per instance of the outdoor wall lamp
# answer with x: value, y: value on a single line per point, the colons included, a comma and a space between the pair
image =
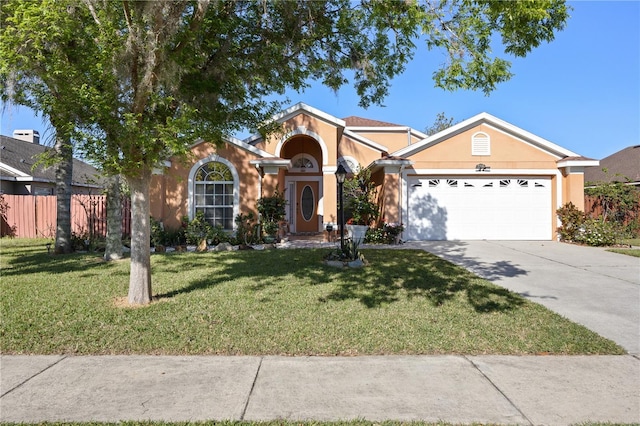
x: 482, y: 168
x: 341, y: 175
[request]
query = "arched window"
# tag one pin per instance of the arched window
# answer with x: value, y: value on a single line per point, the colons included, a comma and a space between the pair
x: 213, y: 194
x: 480, y: 144
x: 304, y: 163
x: 350, y: 164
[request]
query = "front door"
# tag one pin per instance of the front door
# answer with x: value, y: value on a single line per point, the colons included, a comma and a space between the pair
x: 306, y: 206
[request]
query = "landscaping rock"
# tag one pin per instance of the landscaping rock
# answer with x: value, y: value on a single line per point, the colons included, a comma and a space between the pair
x: 334, y: 263
x: 358, y: 263
x: 223, y: 247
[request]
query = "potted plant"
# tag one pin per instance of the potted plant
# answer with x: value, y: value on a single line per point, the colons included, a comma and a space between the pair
x: 360, y: 195
x: 272, y: 211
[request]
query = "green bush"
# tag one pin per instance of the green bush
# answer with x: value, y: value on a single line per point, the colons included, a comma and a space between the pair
x: 158, y: 235
x: 246, y: 229
x: 218, y: 235
x: 577, y: 227
x: 385, y: 234
x: 375, y: 236
x: 198, y: 229
x: 572, y: 220
x: 597, y: 232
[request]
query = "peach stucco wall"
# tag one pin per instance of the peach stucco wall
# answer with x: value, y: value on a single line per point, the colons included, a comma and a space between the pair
x: 573, y: 189
x: 169, y: 192
x: 363, y: 154
x: 506, y: 153
x: 393, y: 141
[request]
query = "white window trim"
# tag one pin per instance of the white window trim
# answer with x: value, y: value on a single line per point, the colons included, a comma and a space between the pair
x: 191, y: 185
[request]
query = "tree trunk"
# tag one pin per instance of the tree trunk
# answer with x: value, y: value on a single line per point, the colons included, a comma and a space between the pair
x: 64, y: 171
x: 140, y: 275
x: 113, y: 250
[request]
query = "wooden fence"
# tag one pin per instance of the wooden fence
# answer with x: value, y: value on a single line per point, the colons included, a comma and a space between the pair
x: 593, y: 208
x: 30, y: 216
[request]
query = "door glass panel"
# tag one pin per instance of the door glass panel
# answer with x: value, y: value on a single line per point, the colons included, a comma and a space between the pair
x: 307, y: 203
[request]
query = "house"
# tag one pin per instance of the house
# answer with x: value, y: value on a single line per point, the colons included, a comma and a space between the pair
x: 621, y: 166
x: 18, y: 176
x: 482, y: 178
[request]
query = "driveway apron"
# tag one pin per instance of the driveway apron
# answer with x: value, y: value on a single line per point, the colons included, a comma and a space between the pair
x: 593, y: 287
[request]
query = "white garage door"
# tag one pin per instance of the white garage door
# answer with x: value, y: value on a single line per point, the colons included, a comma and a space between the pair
x: 460, y: 208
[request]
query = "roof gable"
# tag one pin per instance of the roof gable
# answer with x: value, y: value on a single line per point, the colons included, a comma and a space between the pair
x: 488, y: 119
x: 300, y: 108
x: 240, y: 144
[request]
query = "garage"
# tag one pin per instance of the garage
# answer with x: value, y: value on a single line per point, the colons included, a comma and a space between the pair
x: 479, y: 208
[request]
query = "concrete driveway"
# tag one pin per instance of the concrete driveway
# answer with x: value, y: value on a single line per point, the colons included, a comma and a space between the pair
x: 593, y: 287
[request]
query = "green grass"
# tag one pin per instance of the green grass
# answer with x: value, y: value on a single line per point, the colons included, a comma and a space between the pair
x: 628, y: 252
x: 280, y: 302
x: 635, y: 252
x: 632, y: 241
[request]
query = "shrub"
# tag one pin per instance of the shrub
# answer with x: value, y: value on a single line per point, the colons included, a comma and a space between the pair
x: 272, y: 210
x: 198, y: 229
x: 246, y: 229
x: 360, y: 198
x: 376, y: 236
x: 577, y: 227
x: 218, y: 235
x: 158, y: 235
x: 385, y: 234
x: 598, y: 232
x: 572, y: 221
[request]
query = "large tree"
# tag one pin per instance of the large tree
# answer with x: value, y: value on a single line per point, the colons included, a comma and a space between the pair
x: 38, y: 69
x: 172, y: 72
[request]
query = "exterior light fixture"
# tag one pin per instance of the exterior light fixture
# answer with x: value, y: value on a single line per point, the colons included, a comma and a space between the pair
x: 482, y: 168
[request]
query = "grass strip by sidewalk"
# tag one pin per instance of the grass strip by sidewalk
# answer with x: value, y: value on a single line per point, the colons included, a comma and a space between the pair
x: 275, y: 302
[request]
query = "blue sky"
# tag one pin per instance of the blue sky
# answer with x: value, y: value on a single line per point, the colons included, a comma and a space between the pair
x: 582, y: 91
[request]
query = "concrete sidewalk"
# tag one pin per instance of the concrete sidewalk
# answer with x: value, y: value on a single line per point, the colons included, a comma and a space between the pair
x: 528, y: 390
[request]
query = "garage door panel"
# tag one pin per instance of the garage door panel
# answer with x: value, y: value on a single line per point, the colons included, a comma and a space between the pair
x: 479, y: 208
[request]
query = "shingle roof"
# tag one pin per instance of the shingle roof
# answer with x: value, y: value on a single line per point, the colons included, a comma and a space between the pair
x: 620, y: 165
x: 354, y: 121
x: 22, y: 156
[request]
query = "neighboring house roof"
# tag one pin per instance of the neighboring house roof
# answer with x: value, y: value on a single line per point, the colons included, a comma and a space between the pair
x: 17, y: 160
x: 619, y: 165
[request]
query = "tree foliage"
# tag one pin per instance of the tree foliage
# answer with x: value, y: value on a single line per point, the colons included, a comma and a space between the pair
x: 140, y: 81
x: 442, y: 122
x: 618, y: 201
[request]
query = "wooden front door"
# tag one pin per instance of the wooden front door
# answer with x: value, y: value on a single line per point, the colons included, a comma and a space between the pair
x: 306, y: 206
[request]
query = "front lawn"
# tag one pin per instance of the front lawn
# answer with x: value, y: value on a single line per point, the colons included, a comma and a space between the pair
x: 276, y: 302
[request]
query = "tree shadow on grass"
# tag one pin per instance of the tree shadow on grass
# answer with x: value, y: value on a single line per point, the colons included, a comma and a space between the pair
x: 412, y: 274
x: 391, y: 276
x: 34, y: 262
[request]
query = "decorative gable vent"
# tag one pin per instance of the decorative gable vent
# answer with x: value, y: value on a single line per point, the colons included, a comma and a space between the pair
x: 480, y: 144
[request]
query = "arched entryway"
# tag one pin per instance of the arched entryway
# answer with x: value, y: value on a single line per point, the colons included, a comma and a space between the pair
x: 303, y: 184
